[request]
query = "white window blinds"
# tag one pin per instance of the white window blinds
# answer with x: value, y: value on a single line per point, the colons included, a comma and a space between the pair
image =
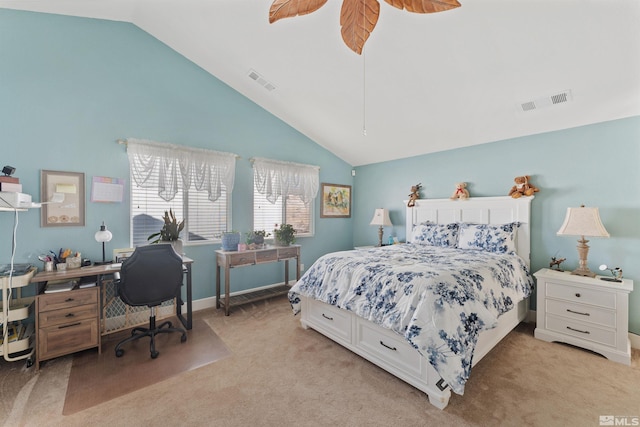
x: 276, y: 179
x: 168, y: 166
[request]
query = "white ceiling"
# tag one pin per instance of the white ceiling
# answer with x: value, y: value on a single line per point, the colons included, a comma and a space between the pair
x: 425, y: 83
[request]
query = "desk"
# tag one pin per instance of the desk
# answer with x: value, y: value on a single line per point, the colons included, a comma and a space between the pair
x: 233, y: 259
x: 102, y: 270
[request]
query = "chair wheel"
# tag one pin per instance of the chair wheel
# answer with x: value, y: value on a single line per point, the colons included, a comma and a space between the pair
x: 119, y: 352
x: 183, y: 338
x: 154, y: 354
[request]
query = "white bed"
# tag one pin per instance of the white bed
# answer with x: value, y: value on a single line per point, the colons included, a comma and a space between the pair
x: 390, y: 350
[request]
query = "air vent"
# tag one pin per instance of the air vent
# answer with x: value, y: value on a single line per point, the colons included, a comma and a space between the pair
x: 547, y: 101
x: 254, y: 75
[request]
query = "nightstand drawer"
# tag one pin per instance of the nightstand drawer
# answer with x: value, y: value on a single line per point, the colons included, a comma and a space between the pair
x: 581, y: 330
x: 581, y: 295
x: 582, y: 312
x: 67, y: 299
x: 68, y: 315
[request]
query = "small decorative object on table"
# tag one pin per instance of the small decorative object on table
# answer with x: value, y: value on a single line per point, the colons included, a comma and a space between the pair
x: 415, y: 195
x: 555, y: 262
x: 523, y: 187
x: 256, y: 237
x: 461, y: 192
x: 230, y: 240
x: 617, y: 273
x: 284, y: 235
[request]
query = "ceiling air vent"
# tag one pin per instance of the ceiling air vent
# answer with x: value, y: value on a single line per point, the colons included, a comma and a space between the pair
x: 254, y: 75
x: 547, y: 101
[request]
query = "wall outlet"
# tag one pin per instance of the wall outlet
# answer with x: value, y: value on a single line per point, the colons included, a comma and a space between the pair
x: 301, y: 268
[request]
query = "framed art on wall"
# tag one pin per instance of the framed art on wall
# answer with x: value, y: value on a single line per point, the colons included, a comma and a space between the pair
x: 336, y: 201
x: 63, y: 193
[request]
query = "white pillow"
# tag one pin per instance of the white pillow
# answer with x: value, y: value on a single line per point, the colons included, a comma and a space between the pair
x: 430, y: 234
x: 500, y: 239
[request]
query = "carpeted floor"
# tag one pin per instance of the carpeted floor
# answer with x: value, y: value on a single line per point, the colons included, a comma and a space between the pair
x: 96, y: 378
x: 282, y: 375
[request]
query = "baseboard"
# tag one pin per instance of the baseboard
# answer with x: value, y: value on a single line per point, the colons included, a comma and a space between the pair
x: 635, y: 339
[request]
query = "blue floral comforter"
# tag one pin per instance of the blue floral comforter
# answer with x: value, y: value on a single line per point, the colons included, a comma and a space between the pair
x: 438, y: 298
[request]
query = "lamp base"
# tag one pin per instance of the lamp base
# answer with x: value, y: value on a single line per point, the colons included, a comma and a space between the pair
x: 585, y: 272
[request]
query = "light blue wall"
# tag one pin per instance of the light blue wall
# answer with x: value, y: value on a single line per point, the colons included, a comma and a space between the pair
x: 70, y: 87
x: 596, y: 165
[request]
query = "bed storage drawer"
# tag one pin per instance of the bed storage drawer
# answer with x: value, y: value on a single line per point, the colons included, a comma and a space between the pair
x: 389, y: 347
x: 335, y: 321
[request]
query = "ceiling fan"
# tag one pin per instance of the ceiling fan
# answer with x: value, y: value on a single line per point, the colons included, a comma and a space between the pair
x: 358, y: 18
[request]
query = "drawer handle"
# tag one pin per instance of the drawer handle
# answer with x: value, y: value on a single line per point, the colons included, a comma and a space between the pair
x: 578, y: 295
x: 69, y: 300
x: 577, y: 312
x: 578, y: 330
x: 68, y: 326
x: 327, y: 317
x: 69, y: 315
x: 390, y: 348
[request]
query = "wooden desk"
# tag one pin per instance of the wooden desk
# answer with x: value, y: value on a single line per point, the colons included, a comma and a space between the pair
x: 102, y: 270
x: 233, y: 259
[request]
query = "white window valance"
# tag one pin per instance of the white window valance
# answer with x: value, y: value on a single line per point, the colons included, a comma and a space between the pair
x: 275, y: 179
x: 171, y: 165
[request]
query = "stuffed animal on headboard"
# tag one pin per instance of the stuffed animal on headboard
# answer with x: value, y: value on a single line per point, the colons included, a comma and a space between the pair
x: 523, y: 187
x: 415, y: 195
x: 461, y: 192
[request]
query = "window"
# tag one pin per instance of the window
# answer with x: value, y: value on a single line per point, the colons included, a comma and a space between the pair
x: 194, y: 183
x: 284, y: 192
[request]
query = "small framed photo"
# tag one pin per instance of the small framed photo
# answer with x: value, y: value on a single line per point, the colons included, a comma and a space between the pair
x: 62, y: 198
x: 336, y: 201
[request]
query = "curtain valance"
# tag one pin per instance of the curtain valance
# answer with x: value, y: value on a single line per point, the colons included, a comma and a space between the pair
x: 275, y: 179
x: 167, y: 166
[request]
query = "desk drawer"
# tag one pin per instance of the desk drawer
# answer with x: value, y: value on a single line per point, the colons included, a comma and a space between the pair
x: 58, y: 340
x: 287, y: 253
x: 581, y: 295
x: 62, y: 300
x: 267, y: 256
x: 68, y: 315
x: 242, y: 258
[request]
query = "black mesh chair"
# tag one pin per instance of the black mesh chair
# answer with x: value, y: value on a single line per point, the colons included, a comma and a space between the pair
x: 150, y: 276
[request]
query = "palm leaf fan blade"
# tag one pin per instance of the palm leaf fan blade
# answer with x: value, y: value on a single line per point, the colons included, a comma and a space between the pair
x: 289, y: 8
x: 424, y: 6
x: 358, y: 18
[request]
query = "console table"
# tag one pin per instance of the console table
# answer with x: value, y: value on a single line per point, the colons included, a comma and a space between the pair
x: 233, y: 259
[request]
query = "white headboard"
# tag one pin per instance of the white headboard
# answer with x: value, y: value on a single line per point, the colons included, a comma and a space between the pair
x: 478, y: 210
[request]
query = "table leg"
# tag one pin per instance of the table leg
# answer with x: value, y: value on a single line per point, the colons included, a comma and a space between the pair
x: 217, y: 285
x: 286, y: 271
x: 227, y: 289
x: 188, y: 322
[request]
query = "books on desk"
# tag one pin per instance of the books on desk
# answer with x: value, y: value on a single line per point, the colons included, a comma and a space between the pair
x: 59, y: 286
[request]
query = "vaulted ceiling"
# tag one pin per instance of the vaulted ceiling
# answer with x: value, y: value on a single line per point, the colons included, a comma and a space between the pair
x: 489, y: 70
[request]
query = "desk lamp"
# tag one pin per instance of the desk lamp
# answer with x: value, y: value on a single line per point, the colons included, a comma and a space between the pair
x: 103, y: 235
x: 381, y: 218
x: 583, y: 222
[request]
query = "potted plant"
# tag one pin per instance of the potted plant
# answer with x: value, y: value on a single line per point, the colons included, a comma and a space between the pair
x: 258, y: 236
x: 284, y: 235
x: 170, y: 232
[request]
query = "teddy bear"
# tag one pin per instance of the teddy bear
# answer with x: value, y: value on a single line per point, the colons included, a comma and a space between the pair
x: 461, y: 192
x: 523, y: 187
x: 415, y: 195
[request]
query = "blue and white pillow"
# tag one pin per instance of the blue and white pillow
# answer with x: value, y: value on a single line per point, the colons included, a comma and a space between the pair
x: 500, y: 239
x: 431, y: 234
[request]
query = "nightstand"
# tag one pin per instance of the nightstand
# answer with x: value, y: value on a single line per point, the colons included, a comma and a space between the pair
x: 586, y: 312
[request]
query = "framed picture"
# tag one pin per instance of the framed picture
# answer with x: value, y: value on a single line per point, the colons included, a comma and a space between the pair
x: 336, y: 201
x: 62, y: 198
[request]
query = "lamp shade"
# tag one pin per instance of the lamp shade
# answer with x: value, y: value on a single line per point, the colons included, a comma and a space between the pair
x: 103, y: 235
x: 381, y: 218
x: 582, y: 222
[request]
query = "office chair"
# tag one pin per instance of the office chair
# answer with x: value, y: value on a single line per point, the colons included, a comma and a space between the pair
x: 150, y: 276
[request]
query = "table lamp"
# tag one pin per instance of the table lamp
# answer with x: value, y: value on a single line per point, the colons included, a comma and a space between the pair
x: 103, y: 235
x: 583, y: 222
x: 381, y: 218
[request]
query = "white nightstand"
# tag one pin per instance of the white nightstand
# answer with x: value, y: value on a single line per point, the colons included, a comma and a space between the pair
x: 586, y: 312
